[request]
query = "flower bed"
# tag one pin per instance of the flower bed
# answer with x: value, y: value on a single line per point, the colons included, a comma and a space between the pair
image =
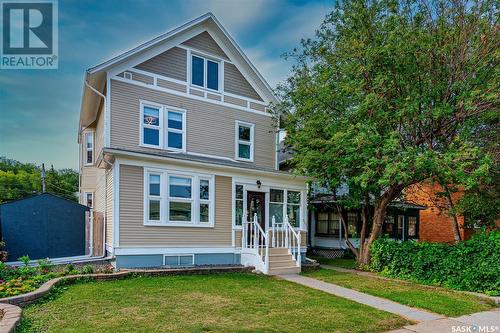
x: 24, y: 279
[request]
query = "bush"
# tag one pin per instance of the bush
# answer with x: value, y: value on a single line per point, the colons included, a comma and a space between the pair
x: 471, y: 265
x: 87, y: 269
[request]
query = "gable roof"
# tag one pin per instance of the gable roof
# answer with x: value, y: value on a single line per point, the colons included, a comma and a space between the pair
x: 95, y: 77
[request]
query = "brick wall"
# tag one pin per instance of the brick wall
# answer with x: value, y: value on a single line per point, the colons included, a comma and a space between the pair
x: 435, y: 223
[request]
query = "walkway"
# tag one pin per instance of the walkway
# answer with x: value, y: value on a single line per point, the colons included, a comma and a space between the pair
x: 487, y: 321
x: 410, y: 313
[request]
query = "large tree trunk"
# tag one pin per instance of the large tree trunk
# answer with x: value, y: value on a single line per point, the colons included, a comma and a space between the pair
x: 454, y: 220
x: 379, y: 213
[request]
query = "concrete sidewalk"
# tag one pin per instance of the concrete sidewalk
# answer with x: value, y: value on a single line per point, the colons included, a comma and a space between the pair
x: 383, y: 304
x: 487, y: 321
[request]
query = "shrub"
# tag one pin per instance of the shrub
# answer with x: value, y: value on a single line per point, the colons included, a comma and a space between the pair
x: 25, y: 260
x: 470, y: 265
x: 87, y: 269
x: 44, y: 265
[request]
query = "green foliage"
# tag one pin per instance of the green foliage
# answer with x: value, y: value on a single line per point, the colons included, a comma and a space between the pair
x: 44, y: 265
x: 19, y: 180
x: 87, y: 269
x: 470, y: 265
x: 25, y: 260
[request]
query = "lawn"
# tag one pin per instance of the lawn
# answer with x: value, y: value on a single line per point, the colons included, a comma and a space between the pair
x: 202, y: 303
x: 438, y: 300
x: 339, y: 262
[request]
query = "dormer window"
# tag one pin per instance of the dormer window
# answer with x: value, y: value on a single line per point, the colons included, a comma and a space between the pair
x: 204, y: 72
x: 244, y: 141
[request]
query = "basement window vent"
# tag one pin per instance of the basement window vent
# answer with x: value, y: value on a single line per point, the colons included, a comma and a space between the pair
x: 178, y: 260
x: 127, y: 75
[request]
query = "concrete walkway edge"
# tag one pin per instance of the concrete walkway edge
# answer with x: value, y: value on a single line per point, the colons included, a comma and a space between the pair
x: 407, y: 312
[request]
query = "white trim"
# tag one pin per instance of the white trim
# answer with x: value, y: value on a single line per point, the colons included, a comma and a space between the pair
x: 206, y: 59
x: 238, y: 141
x: 115, y: 234
x: 155, y: 76
x: 129, y: 250
x: 187, y: 94
x: 165, y: 198
x: 86, y: 149
x: 107, y: 113
x: 158, y: 127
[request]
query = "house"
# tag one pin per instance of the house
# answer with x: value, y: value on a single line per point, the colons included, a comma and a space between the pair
x: 179, y: 153
x: 43, y: 226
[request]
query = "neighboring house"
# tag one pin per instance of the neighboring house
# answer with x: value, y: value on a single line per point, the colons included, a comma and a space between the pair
x: 43, y: 226
x: 435, y: 222
x: 179, y: 154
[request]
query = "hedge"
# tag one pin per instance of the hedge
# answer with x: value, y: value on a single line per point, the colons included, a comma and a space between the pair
x: 472, y: 265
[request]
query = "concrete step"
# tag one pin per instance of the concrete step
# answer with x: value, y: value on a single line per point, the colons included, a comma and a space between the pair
x: 279, y: 257
x: 278, y: 250
x: 284, y: 270
x: 281, y: 263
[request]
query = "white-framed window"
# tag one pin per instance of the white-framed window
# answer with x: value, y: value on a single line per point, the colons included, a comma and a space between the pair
x: 163, y: 127
x: 244, y: 141
x: 205, y: 72
x: 238, y: 204
x: 89, y: 148
x: 178, y: 198
x: 89, y: 199
x: 285, y: 202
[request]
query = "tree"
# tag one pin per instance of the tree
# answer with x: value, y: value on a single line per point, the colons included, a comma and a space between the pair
x: 19, y: 180
x: 390, y: 93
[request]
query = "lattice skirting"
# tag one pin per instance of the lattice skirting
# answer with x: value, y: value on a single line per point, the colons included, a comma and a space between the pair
x: 328, y: 253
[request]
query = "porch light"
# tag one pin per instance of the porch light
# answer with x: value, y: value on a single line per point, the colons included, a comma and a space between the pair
x: 258, y: 183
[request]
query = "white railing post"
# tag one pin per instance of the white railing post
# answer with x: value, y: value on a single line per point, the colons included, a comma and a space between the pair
x: 243, y: 231
x: 299, y: 257
x: 273, y: 220
x: 91, y: 232
x: 255, y: 239
x: 286, y: 231
x: 266, y: 262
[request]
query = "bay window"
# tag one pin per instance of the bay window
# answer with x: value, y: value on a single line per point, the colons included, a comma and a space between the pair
x: 281, y: 202
x: 276, y: 204
x: 293, y: 208
x: 188, y: 199
x: 244, y: 141
x: 163, y: 127
x: 204, y: 72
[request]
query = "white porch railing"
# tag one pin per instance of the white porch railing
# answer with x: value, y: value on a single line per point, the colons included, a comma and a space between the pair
x: 254, y: 240
x: 284, y: 235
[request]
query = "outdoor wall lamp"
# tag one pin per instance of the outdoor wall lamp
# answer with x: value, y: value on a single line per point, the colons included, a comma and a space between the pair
x: 258, y: 183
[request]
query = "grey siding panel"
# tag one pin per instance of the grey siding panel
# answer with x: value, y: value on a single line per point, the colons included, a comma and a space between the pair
x: 235, y: 83
x: 210, y: 127
x: 134, y: 233
x: 204, y: 42
x: 171, y: 63
x: 142, y: 78
x: 171, y: 85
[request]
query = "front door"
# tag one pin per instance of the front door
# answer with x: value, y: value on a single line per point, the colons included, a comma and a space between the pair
x: 256, y: 205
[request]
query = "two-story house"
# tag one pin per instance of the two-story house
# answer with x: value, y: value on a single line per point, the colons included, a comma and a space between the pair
x: 179, y: 155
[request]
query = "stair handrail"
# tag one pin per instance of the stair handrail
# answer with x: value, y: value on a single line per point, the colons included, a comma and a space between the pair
x: 259, y: 239
x: 294, y: 243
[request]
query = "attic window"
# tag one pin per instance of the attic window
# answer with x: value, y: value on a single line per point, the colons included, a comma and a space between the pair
x: 204, y: 72
x: 127, y: 75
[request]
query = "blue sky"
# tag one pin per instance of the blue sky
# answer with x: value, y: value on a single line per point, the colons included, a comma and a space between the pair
x: 39, y: 108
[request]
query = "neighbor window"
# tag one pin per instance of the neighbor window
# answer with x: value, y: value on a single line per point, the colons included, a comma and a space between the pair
x: 244, y: 141
x: 328, y: 223
x: 188, y: 198
x: 389, y: 225
x: 352, y: 224
x: 89, y: 148
x: 204, y: 72
x: 401, y: 225
x: 89, y: 199
x: 412, y: 226
x: 238, y: 204
x: 159, y: 122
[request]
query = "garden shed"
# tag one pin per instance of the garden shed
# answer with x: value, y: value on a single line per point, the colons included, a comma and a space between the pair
x: 43, y: 226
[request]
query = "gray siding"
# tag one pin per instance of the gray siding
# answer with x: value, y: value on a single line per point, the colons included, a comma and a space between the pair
x: 134, y: 233
x: 210, y: 127
x: 171, y: 63
x: 235, y: 83
x: 205, y: 43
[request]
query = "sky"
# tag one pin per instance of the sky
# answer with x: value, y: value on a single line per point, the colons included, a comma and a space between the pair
x: 39, y: 109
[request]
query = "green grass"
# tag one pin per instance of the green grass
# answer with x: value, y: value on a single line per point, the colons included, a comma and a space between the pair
x: 202, y: 303
x: 438, y: 300
x: 339, y: 262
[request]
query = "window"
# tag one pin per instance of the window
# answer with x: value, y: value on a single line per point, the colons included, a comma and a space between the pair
x: 154, y: 197
x: 188, y: 199
x: 352, y: 224
x: 389, y: 225
x: 412, y: 226
x: 89, y: 199
x: 204, y: 72
x: 153, y: 127
x: 293, y: 208
x: 244, y: 141
x: 401, y: 223
x: 89, y: 148
x: 276, y: 203
x: 328, y: 223
x: 238, y: 205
